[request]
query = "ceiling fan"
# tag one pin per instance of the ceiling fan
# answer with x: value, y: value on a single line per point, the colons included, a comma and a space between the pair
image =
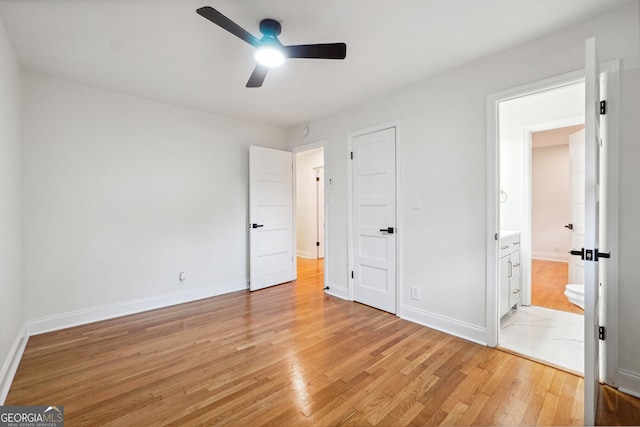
x: 270, y: 52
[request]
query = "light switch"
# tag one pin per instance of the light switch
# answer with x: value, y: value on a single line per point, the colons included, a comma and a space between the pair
x: 415, y: 202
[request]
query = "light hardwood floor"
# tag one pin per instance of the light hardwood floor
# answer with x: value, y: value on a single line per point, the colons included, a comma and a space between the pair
x: 287, y: 356
x: 548, y: 281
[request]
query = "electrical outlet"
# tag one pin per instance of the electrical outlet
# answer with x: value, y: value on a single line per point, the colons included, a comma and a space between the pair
x: 415, y: 293
x: 181, y: 278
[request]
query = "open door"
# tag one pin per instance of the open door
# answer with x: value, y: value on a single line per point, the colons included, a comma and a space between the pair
x: 591, y: 236
x: 271, y: 260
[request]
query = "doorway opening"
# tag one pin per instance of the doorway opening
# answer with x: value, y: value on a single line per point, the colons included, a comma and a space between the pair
x: 310, y: 210
x: 538, y: 208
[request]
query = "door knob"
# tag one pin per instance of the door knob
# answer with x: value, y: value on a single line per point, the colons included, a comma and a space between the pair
x: 387, y: 230
x: 569, y: 226
x: 257, y: 225
x: 579, y: 253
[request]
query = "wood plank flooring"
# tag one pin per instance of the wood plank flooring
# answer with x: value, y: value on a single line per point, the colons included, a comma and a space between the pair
x: 286, y: 356
x: 548, y: 281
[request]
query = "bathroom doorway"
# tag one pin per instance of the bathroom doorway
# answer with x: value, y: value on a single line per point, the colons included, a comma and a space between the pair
x: 537, y: 320
x: 553, y: 227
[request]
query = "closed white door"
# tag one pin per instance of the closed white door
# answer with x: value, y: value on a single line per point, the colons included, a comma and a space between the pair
x: 576, y: 190
x: 374, y: 219
x: 271, y: 260
x: 592, y: 232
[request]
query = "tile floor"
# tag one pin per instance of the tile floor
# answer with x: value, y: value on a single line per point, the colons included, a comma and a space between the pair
x: 544, y: 334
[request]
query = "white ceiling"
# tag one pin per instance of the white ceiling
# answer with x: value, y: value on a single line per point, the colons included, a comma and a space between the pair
x: 162, y: 50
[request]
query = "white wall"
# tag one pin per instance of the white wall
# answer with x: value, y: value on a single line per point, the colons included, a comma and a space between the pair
x: 629, y: 275
x: 306, y: 202
x: 11, y: 221
x: 550, y: 203
x: 122, y: 194
x: 442, y: 140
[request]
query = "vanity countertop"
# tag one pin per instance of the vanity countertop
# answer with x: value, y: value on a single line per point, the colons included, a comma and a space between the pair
x: 507, y: 233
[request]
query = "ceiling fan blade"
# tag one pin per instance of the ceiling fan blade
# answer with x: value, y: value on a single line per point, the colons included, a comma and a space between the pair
x: 321, y: 51
x: 219, y: 19
x: 258, y: 75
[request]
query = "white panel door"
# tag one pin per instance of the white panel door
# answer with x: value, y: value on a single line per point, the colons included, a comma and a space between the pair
x: 374, y: 219
x: 591, y: 235
x: 576, y: 194
x: 271, y: 217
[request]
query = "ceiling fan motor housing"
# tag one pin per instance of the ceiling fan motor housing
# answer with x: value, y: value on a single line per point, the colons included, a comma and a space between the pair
x: 270, y: 27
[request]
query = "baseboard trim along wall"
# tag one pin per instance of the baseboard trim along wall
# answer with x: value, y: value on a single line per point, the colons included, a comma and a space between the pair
x: 550, y: 256
x: 10, y: 365
x: 337, y: 291
x: 82, y: 317
x: 444, y: 324
x: 629, y: 382
x: 305, y: 254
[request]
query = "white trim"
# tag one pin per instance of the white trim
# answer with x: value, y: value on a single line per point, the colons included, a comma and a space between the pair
x: 493, y: 220
x: 349, y: 217
x: 611, y: 374
x: 399, y: 223
x: 444, y: 324
x: 493, y: 186
x: 10, y: 365
x: 310, y: 146
x: 549, y: 256
x: 96, y: 314
x: 337, y: 291
x: 305, y: 254
x: 629, y: 382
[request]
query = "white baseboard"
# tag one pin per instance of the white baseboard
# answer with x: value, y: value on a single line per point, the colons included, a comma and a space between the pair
x: 445, y: 324
x: 551, y: 256
x: 337, y: 291
x: 10, y: 365
x: 629, y: 382
x: 305, y: 254
x: 82, y: 317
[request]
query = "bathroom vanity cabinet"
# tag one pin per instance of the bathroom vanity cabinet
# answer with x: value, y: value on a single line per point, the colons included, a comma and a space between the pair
x: 510, y: 283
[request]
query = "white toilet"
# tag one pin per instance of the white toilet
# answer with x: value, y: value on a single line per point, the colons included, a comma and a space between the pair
x: 575, y: 294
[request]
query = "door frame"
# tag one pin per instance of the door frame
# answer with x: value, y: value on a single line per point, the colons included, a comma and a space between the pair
x: 399, y: 222
x: 609, y: 357
x: 526, y: 235
x: 295, y: 150
x: 320, y: 173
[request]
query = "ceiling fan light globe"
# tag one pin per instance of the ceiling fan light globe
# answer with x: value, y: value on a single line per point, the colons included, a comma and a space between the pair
x: 269, y: 56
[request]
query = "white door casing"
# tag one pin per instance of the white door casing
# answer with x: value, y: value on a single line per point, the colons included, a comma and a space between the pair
x: 374, y: 219
x: 577, y: 192
x: 271, y: 245
x: 320, y: 210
